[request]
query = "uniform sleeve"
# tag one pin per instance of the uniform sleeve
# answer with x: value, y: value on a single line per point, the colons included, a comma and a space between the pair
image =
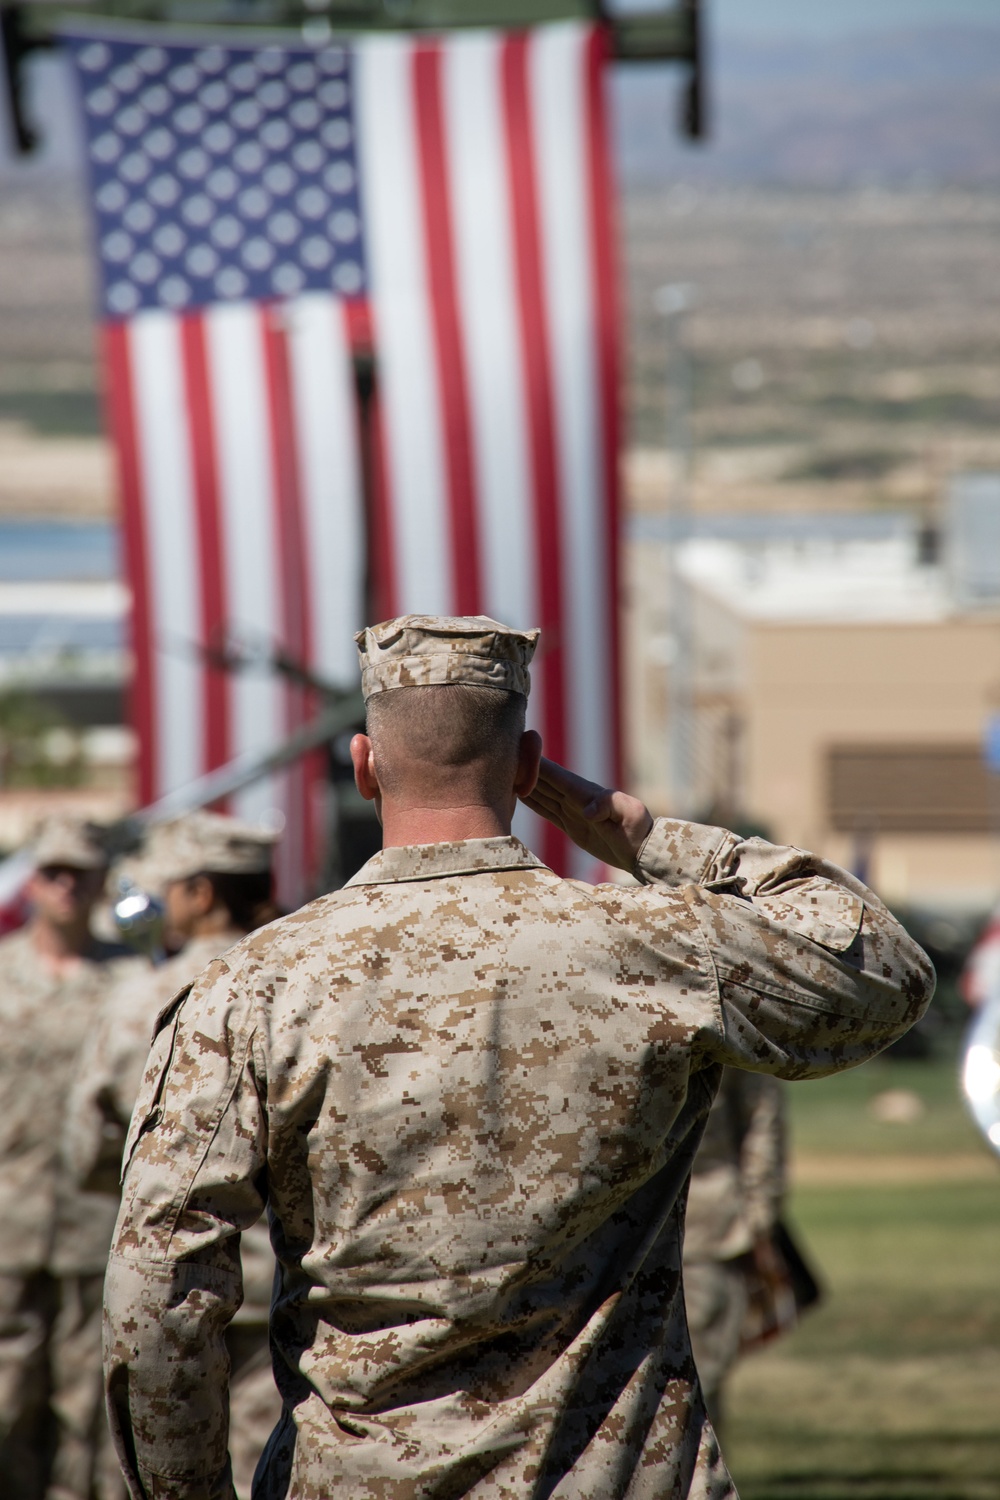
x: 93, y: 1135
x: 761, y: 1107
x: 812, y: 973
x: 194, y: 1177
x: 108, y: 1071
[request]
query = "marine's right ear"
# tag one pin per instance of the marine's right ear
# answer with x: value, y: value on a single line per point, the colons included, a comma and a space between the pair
x: 529, y: 758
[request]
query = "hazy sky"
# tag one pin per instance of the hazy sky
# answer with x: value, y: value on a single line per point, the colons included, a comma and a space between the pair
x: 765, y: 19
x: 832, y: 17
x: 836, y: 17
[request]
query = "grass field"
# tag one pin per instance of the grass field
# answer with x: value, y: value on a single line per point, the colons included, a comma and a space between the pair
x: 891, y: 1389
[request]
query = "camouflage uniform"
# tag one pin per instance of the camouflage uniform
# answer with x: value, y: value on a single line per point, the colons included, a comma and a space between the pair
x: 471, y: 1093
x: 737, y: 1186
x: 110, y: 1072
x: 54, y: 1238
x: 113, y: 1058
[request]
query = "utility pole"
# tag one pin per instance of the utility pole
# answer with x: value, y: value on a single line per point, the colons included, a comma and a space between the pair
x: 673, y: 302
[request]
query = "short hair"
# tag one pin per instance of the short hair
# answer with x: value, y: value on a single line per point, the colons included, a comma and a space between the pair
x: 448, y: 727
x: 247, y: 896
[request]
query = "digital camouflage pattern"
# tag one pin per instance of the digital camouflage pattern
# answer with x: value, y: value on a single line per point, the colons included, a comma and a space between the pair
x: 114, y: 1056
x: 471, y: 1093
x: 434, y: 650
x: 53, y: 1236
x: 198, y: 843
x: 110, y: 1074
x: 101, y: 1103
x: 738, y: 1177
x: 716, y: 1301
x: 84, y: 1465
x: 734, y: 1201
x: 45, y: 1221
x: 65, y: 839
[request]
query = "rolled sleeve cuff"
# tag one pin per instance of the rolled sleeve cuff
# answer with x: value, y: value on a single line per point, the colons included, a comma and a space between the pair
x: 166, y: 1370
x: 677, y: 853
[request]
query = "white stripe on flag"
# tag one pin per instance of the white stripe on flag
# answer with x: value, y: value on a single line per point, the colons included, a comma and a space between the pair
x: 487, y: 299
x: 329, y: 467
x: 249, y: 544
x: 168, y: 498
x: 558, y: 76
x: 487, y: 296
x: 394, y: 245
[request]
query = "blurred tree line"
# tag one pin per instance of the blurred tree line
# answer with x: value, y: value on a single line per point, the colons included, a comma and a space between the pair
x: 38, y: 746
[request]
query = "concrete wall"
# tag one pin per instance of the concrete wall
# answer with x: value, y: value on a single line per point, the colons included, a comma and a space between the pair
x: 809, y: 687
x: 772, y: 699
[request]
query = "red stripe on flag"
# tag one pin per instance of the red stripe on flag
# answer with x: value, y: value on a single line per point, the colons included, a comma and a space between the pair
x: 121, y: 420
x: 298, y: 851
x: 358, y: 321
x: 540, y: 407
x: 452, y: 376
x: 287, y: 488
x: 602, y: 227
x: 214, y: 615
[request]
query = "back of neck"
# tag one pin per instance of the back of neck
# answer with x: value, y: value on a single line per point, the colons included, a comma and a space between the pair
x: 440, y: 825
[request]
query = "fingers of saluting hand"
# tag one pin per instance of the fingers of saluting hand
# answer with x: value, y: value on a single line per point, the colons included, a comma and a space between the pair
x: 555, y: 782
x: 568, y: 811
x: 563, y: 814
x: 569, y: 806
x: 607, y: 824
x: 548, y: 811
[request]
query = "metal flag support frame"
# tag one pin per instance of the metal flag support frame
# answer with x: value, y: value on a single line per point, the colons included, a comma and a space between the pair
x: 340, y: 712
x: 669, y: 35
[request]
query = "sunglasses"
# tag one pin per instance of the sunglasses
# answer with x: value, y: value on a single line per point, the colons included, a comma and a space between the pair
x: 57, y: 872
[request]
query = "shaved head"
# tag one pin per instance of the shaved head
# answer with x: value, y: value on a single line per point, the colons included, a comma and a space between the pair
x: 446, y: 740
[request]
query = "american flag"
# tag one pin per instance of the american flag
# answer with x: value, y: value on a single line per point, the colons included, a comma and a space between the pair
x: 267, y: 212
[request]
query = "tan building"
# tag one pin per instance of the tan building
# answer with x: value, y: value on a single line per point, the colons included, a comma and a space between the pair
x: 838, y: 699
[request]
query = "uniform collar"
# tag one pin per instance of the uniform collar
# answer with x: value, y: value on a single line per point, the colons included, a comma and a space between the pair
x: 432, y: 861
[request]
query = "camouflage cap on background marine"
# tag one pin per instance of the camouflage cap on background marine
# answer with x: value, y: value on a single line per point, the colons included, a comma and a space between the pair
x: 201, y: 843
x: 66, y: 839
x: 433, y: 650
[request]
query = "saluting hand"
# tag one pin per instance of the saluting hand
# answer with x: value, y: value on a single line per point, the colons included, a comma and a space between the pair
x: 610, y: 825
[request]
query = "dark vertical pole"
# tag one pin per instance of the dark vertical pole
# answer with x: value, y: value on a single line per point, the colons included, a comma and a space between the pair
x: 694, y: 121
x: 364, y: 385
x: 15, y: 48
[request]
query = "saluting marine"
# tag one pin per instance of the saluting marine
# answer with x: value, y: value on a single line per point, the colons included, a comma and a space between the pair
x: 213, y: 875
x: 471, y: 1093
x: 54, y: 1238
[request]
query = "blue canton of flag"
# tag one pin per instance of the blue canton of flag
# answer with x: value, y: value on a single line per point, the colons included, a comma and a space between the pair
x: 220, y: 172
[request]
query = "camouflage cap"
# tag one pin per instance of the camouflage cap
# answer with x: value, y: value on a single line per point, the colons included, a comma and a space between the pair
x: 201, y: 842
x: 65, y: 839
x: 429, y: 650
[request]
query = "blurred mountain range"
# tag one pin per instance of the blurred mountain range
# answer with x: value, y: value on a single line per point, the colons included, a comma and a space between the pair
x: 903, y: 107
